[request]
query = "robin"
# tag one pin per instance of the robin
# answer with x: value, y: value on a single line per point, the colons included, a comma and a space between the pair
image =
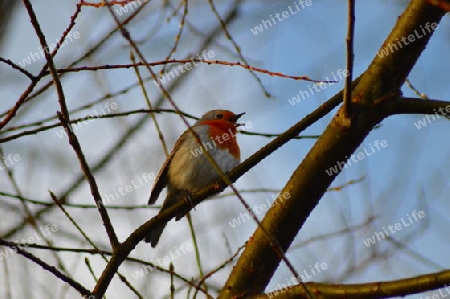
x: 187, y: 170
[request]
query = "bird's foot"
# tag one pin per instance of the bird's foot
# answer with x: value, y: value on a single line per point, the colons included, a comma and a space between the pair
x: 216, y: 186
x: 189, y: 201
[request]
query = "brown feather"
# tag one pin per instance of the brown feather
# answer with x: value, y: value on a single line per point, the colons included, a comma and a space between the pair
x: 161, y: 179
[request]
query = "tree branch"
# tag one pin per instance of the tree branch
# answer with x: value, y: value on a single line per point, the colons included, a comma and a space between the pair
x: 128, y: 245
x: 65, y: 121
x: 350, y: 57
x: 310, y: 180
x: 77, y: 286
x: 388, y: 289
x: 189, y: 61
x: 417, y: 106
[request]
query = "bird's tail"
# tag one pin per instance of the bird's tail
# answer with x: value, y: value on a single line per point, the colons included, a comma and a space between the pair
x: 171, y: 199
x: 153, y: 237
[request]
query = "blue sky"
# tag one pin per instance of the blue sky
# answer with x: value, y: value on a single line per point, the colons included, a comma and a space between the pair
x: 411, y: 173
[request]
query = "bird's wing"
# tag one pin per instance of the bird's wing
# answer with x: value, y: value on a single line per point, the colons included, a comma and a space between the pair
x: 161, y: 179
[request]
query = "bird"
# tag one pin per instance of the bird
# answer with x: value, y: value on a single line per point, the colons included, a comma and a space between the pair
x: 188, y: 170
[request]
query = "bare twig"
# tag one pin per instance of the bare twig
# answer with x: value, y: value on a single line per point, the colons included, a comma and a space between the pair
x: 65, y: 121
x: 236, y: 46
x: 77, y: 286
x: 12, y: 112
x: 211, y: 273
x: 350, y: 57
x: 193, y: 60
x: 85, y: 236
x: 129, y: 244
x: 180, y: 31
x: 15, y: 66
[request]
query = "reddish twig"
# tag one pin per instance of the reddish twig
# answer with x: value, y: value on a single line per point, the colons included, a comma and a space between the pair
x: 185, y: 61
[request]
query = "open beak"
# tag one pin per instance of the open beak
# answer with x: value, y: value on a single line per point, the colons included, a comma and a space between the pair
x: 236, y: 117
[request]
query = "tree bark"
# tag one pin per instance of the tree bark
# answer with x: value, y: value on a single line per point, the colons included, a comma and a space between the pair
x: 379, y: 84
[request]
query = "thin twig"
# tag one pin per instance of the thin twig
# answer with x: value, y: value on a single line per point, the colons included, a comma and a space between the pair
x: 85, y: 236
x: 129, y: 244
x: 20, y: 69
x: 149, y: 104
x: 196, y: 248
x: 350, y: 57
x: 192, y: 60
x: 178, y: 36
x: 237, y: 48
x: 87, y: 262
x: 94, y: 251
x: 127, y: 113
x: 172, y: 286
x: 23, y: 98
x: 211, y: 273
x: 28, y: 214
x: 65, y: 121
x: 134, y: 128
x: 76, y: 285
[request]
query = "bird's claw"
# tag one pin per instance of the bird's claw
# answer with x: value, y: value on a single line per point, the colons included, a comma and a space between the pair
x: 189, y: 201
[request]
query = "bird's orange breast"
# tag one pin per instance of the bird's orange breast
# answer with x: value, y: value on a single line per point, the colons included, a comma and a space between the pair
x: 224, y: 136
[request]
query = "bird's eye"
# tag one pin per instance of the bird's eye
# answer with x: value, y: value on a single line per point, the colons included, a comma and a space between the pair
x: 219, y: 115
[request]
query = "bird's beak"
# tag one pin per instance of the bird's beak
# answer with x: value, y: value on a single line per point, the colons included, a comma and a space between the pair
x: 236, y: 117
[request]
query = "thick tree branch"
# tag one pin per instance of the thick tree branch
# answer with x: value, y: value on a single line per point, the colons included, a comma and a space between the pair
x: 387, y: 289
x: 398, y: 54
x: 310, y: 180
